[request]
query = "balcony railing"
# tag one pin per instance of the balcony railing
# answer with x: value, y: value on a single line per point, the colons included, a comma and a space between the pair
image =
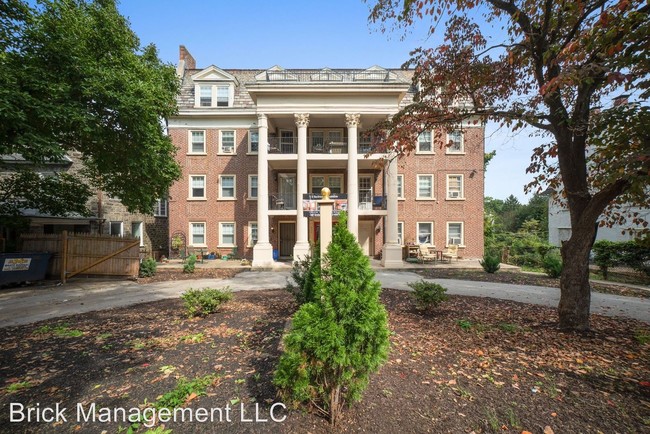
x: 318, y: 146
x: 282, y: 201
x: 368, y: 203
x: 283, y: 145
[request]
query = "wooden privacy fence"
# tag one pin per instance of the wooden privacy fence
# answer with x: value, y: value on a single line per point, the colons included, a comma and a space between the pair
x: 74, y: 254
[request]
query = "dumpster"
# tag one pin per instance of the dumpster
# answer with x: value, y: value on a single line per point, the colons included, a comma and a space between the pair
x: 21, y: 267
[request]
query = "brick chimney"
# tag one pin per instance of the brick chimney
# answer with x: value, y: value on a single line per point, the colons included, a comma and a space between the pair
x: 186, y: 57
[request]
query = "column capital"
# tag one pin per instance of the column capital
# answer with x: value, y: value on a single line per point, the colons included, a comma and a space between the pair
x: 262, y: 120
x: 302, y: 119
x: 352, y: 119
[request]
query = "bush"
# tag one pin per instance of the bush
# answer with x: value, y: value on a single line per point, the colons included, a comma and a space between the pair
x: 305, y: 273
x: 553, y: 265
x: 633, y: 254
x: 337, y: 340
x: 491, y: 263
x: 428, y: 295
x: 189, y: 266
x: 202, y: 302
x: 148, y: 267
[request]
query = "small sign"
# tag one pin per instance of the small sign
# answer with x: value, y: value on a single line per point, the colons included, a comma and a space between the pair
x: 16, y: 264
x: 310, y: 206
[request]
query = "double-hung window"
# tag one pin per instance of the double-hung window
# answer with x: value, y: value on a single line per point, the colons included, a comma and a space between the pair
x: 227, y: 234
x: 253, y: 141
x: 425, y: 187
x: 455, y: 233
x: 160, y: 208
x: 197, y: 145
x: 455, y: 187
x: 197, y: 231
x: 223, y: 96
x: 424, y: 142
x: 205, y: 96
x: 455, y: 141
x: 400, y: 233
x: 197, y: 186
x: 252, y: 234
x: 137, y: 230
x: 227, y: 142
x: 425, y: 232
x: 227, y: 190
x: 252, y: 186
x: 400, y: 186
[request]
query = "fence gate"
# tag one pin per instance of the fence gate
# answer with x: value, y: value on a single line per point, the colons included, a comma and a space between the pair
x: 74, y: 254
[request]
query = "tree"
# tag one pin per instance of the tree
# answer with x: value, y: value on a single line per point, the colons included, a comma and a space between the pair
x: 73, y: 78
x: 553, y: 68
x: 338, y: 339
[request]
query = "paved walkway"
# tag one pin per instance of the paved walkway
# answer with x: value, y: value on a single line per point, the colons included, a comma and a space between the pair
x: 27, y: 305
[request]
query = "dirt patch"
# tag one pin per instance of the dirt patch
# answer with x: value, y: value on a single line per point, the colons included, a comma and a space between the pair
x: 475, y: 364
x: 527, y: 279
x: 165, y: 274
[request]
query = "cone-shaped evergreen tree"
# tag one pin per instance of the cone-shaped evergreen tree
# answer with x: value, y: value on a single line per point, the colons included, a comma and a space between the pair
x: 338, y: 340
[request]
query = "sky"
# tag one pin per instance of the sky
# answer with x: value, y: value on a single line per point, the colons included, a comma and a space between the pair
x: 306, y: 34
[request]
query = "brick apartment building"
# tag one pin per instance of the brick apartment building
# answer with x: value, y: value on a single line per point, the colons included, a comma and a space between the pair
x: 252, y: 143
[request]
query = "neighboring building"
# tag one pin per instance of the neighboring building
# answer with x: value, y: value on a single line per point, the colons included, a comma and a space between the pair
x: 251, y: 143
x: 559, y: 225
x: 109, y: 216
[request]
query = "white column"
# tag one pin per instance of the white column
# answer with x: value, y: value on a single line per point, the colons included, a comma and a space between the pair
x: 392, y: 251
x: 352, y: 122
x: 301, y: 247
x: 263, y: 251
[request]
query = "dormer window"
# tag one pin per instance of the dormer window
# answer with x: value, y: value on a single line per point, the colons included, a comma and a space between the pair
x: 214, y: 87
x: 205, y: 98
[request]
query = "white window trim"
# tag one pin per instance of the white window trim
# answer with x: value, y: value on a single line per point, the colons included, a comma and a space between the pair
x: 417, y: 145
x: 250, y: 187
x: 234, y: 186
x: 189, y: 142
x: 205, y: 187
x: 401, y: 197
x: 327, y: 177
x: 462, y: 187
x: 156, y: 208
x: 213, y: 93
x: 234, y: 233
x: 462, y: 233
x: 234, y: 144
x: 417, y: 187
x: 462, y: 144
x: 141, y: 224
x: 400, y: 223
x: 205, y: 234
x: 417, y: 232
x: 251, y: 152
x: 250, y: 233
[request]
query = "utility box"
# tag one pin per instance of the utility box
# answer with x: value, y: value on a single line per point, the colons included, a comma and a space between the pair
x: 21, y: 267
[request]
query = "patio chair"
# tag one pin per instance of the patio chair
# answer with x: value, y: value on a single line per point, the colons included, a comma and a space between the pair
x: 450, y: 252
x: 425, y: 254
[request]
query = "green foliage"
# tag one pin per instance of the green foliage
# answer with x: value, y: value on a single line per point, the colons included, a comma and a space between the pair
x: 427, y: 295
x: 633, y: 254
x: 642, y: 336
x: 305, y: 273
x: 74, y: 78
x: 464, y: 324
x: 202, y: 302
x: 189, y: 265
x: 491, y: 263
x: 552, y: 265
x: 176, y: 397
x: 523, y: 248
x: 340, y: 338
x: 60, y: 330
x: 148, y: 267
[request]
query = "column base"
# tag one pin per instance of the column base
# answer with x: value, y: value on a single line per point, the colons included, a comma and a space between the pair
x: 300, y: 250
x: 392, y: 256
x: 263, y: 255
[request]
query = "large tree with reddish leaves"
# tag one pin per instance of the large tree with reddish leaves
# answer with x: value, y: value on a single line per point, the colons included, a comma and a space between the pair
x: 555, y: 65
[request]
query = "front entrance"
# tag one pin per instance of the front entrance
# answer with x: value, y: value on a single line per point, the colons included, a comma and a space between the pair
x: 287, y: 238
x: 366, y: 237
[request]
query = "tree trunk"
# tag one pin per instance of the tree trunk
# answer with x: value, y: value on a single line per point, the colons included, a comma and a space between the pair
x: 575, y: 291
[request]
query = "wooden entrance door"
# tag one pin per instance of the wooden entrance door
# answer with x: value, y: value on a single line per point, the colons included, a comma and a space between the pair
x: 287, y: 238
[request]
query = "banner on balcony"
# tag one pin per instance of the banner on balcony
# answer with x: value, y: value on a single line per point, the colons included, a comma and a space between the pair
x: 310, y: 206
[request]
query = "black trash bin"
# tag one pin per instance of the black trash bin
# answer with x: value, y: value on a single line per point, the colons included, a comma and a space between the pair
x: 21, y: 267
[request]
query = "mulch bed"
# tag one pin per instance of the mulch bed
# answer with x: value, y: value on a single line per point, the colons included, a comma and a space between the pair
x: 527, y: 279
x: 166, y: 274
x: 472, y: 365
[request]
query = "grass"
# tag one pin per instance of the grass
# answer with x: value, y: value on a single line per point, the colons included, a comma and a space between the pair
x: 642, y: 336
x: 177, y: 397
x: 60, y: 331
x: 194, y: 338
x: 15, y: 387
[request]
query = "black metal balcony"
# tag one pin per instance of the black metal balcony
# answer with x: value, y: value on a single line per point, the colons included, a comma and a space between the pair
x: 319, y: 146
x: 282, y: 201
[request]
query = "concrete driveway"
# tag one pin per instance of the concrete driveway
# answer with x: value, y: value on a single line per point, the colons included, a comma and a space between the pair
x: 27, y: 305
